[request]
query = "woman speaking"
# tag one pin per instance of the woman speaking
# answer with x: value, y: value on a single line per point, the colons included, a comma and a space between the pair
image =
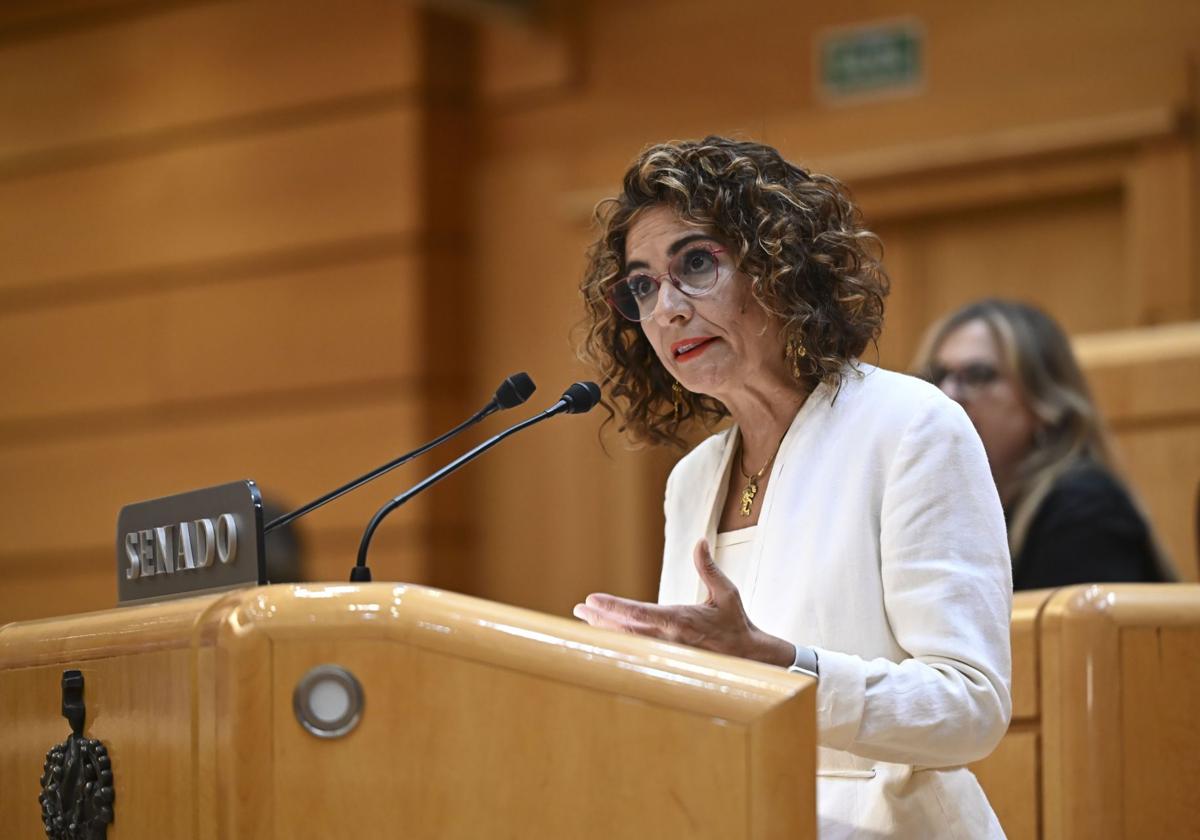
x: 846, y: 523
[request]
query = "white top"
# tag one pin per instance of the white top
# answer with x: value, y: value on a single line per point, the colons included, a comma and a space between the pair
x: 733, y: 555
x: 881, y: 543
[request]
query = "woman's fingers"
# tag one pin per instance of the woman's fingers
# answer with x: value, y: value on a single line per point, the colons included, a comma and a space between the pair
x: 640, y: 612
x: 719, y: 586
x: 613, y: 621
x: 669, y: 623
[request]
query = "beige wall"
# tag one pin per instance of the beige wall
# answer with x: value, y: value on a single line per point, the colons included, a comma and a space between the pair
x: 289, y: 240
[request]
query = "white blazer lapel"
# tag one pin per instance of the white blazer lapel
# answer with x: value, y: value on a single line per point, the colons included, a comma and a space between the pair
x: 697, y: 477
x: 714, y: 503
x: 772, y: 532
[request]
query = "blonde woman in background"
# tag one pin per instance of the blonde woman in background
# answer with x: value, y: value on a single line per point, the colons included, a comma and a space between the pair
x: 1070, y: 517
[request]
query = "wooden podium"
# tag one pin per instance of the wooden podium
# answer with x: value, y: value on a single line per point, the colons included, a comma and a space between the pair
x: 477, y: 719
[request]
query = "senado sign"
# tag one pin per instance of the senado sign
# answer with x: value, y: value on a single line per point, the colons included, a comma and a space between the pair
x: 200, y: 540
x: 183, y: 547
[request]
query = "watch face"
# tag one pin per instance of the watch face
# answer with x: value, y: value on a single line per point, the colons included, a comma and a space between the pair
x: 806, y: 662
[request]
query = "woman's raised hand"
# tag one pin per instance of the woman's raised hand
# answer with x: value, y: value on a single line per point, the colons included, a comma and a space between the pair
x: 719, y: 624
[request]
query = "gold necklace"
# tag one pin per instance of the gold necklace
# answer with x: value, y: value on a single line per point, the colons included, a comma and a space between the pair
x: 751, y: 488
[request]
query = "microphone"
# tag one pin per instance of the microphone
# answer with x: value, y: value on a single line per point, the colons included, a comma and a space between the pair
x: 512, y: 392
x: 578, y: 399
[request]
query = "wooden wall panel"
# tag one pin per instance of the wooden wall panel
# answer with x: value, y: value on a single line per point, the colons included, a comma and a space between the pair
x: 541, y: 63
x: 25, y: 20
x: 1064, y: 255
x: 216, y: 255
x: 59, y: 585
x: 1161, y: 218
x: 65, y: 494
x: 989, y: 70
x: 1163, y: 465
x: 450, y: 136
x: 186, y: 344
x: 1141, y: 377
x: 399, y: 549
x: 18, y: 17
x: 214, y: 66
x: 262, y: 192
x: 977, y: 82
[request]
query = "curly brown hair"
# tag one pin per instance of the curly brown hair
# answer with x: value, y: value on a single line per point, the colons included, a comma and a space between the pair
x: 798, y: 237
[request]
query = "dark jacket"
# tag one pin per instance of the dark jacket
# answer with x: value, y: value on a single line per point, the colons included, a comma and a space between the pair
x: 1086, y: 530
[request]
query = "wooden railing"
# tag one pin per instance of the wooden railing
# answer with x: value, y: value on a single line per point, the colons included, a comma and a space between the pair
x: 1105, y: 739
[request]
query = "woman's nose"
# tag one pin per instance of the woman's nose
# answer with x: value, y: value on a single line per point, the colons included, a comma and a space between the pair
x: 670, y: 305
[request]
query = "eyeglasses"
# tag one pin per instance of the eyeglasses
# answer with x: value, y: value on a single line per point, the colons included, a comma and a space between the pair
x: 693, y: 271
x: 968, y: 380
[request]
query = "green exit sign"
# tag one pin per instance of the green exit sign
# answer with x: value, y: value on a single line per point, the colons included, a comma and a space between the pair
x: 872, y: 60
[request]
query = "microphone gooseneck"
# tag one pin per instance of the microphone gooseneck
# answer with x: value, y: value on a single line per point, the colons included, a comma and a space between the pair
x: 579, y: 398
x: 512, y: 392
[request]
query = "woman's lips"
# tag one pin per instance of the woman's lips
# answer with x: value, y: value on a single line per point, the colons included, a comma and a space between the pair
x: 690, y: 348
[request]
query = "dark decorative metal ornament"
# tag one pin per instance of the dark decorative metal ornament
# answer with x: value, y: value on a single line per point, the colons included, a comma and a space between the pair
x: 77, y: 780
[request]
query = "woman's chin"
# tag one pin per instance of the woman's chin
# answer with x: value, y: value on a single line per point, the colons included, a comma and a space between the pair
x: 705, y: 386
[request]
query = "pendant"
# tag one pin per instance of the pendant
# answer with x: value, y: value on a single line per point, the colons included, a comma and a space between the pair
x: 748, y: 494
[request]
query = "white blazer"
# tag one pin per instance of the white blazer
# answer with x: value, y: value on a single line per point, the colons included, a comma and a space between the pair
x: 881, y: 543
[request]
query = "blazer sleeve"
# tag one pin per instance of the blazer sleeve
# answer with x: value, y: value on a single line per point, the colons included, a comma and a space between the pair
x: 947, y: 586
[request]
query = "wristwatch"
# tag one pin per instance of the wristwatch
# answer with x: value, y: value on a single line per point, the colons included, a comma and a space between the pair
x: 806, y: 662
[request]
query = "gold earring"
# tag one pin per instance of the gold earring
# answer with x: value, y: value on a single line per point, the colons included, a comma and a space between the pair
x: 794, y: 351
x: 677, y: 399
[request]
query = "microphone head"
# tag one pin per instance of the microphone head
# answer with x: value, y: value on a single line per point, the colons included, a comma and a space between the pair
x: 514, y: 390
x: 581, y: 397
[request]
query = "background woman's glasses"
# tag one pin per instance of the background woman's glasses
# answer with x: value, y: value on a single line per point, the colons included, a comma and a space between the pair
x: 966, y: 381
x: 693, y: 271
